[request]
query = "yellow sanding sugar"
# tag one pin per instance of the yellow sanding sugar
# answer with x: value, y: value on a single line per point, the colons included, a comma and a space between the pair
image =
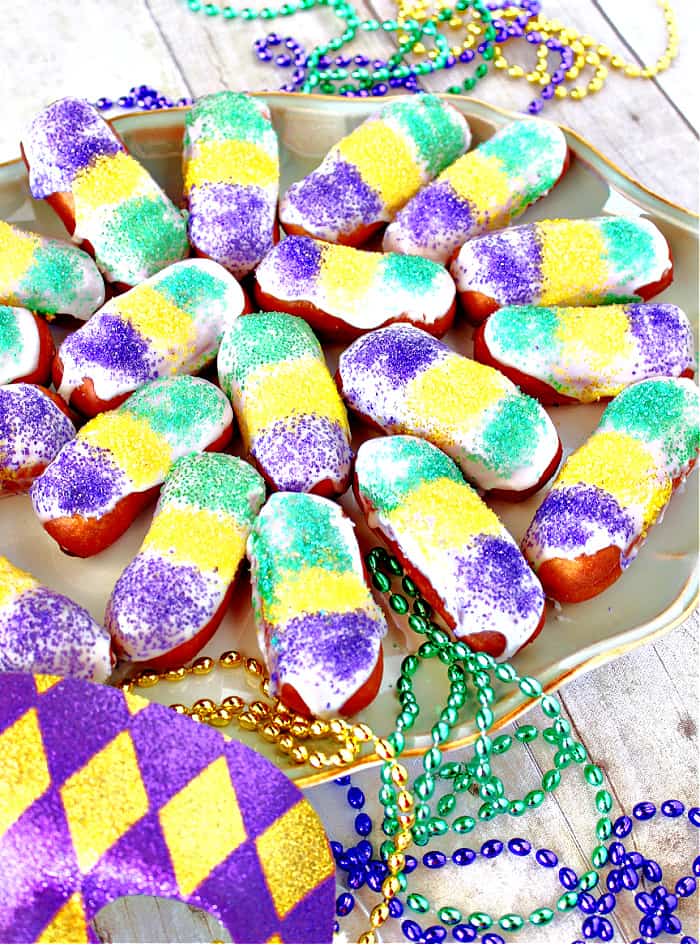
x: 111, y: 179
x: 623, y: 467
x: 16, y: 255
x: 317, y: 590
x: 234, y: 161
x: 385, y: 160
x: 144, y: 456
x: 346, y: 276
x: 573, y: 260
x: 443, y: 515
x: 450, y: 396
x: 481, y: 179
x: 290, y: 388
x: 164, y: 326
x: 211, y: 541
x: 13, y: 582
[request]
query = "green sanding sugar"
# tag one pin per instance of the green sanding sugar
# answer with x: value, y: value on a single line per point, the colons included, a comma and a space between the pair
x: 264, y: 338
x: 188, y: 287
x: 511, y: 435
x: 304, y: 535
x: 390, y: 468
x: 660, y: 409
x: 178, y: 408
x: 439, y: 137
x: 410, y: 272
x: 525, y: 145
x: 522, y: 329
x: 227, y: 115
x: 10, y: 335
x: 53, y: 274
x: 218, y: 482
x: 141, y: 232
x: 630, y: 248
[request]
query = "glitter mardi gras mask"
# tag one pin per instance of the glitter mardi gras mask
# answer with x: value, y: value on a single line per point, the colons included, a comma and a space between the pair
x: 104, y: 795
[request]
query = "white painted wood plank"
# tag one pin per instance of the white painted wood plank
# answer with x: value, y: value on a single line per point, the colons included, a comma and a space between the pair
x: 82, y: 48
x: 217, y: 54
x: 630, y: 120
x: 641, y: 29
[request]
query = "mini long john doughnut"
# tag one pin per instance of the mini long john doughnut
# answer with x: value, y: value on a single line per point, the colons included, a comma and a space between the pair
x: 318, y: 624
x: 599, y: 261
x: 344, y: 292
x: 581, y: 355
x: 405, y: 381
x: 370, y: 174
x: 47, y: 276
x: 231, y: 173
x: 483, y: 190
x: 170, y: 324
x: 612, y: 490
x: 291, y: 417
x: 462, y: 559
x: 170, y: 599
x: 100, y: 481
x: 108, y: 202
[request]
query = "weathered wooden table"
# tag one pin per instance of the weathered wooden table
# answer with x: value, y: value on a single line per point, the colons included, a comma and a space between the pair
x: 637, y: 716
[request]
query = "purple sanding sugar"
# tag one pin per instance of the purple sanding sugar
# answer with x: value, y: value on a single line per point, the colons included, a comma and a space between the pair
x: 32, y: 428
x: 157, y: 605
x: 232, y: 224
x: 108, y: 341
x: 335, y: 647
x: 436, y: 218
x: 664, y: 337
x: 569, y: 516
x: 45, y: 632
x: 82, y: 480
x: 64, y: 139
x: 335, y: 198
x: 507, y: 265
x: 398, y: 353
x: 298, y: 452
x: 294, y: 264
x: 496, y: 574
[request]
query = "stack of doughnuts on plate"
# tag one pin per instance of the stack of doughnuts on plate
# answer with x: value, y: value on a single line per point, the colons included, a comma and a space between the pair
x: 399, y: 233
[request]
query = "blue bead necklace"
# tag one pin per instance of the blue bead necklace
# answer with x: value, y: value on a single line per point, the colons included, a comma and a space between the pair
x: 358, y: 865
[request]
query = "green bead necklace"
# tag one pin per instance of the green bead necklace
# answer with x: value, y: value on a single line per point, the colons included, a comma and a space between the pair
x: 474, y: 673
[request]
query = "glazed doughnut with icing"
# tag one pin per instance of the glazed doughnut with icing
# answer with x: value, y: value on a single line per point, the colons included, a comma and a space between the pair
x: 170, y: 324
x: 101, y: 480
x: 171, y: 598
x: 572, y: 355
x: 292, y: 420
x: 599, y: 261
x: 26, y: 347
x: 367, y: 177
x: 47, y: 276
x: 42, y: 631
x: 403, y: 380
x: 461, y: 558
x: 483, y: 190
x: 344, y: 292
x: 107, y: 201
x: 35, y: 425
x: 231, y: 173
x: 106, y: 795
x: 318, y: 625
x: 612, y: 490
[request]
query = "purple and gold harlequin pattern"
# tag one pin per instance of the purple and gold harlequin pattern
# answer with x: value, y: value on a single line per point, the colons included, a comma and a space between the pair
x: 104, y: 795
